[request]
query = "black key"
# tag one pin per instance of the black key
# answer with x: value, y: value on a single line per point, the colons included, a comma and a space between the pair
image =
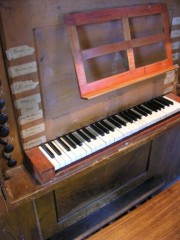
x: 111, y: 120
x: 145, y: 109
x: 97, y: 129
x: 138, y: 116
x: 147, y: 104
x: 104, y: 129
x: 47, y: 150
x: 79, y: 137
x: 155, y: 105
x: 90, y: 134
x: 75, y: 139
x: 68, y: 140
x: 85, y: 137
x: 127, y: 118
x: 162, y: 101
x: 167, y: 100
x: 105, y: 124
x: 63, y: 144
x: 140, y: 111
x: 130, y: 115
x: 158, y: 104
x: 53, y: 146
x: 119, y: 120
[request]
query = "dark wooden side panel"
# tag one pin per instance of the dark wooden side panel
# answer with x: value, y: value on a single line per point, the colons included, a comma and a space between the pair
x: 165, y: 155
x: 19, y: 224
x: 47, y: 214
x: 3, y: 208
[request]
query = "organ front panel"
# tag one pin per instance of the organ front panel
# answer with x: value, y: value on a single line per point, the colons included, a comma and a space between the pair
x: 88, y: 100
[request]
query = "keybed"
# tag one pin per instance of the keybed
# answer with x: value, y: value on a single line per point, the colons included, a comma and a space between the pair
x: 72, y: 147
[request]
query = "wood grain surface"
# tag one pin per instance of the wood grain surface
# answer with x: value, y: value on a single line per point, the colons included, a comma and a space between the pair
x: 158, y: 218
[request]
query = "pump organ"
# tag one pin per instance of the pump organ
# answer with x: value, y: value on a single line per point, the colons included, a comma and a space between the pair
x: 91, y: 118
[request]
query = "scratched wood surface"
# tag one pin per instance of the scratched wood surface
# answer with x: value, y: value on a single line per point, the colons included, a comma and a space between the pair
x: 158, y: 218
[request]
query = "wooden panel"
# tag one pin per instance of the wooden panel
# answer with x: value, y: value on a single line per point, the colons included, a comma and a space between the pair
x: 158, y: 218
x: 47, y: 216
x: 76, y: 194
x: 20, y: 223
x: 20, y: 58
x: 166, y: 149
x: 3, y: 207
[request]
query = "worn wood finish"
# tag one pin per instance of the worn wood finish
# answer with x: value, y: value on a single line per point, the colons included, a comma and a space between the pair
x: 39, y: 166
x: 78, y: 193
x: 20, y: 223
x: 164, y: 148
x: 3, y: 207
x: 158, y: 218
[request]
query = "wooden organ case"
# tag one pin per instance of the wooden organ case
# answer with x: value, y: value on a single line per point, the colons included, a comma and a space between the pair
x: 68, y: 67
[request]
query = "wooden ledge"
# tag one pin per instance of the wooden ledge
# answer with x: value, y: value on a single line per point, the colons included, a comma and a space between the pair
x: 123, y: 80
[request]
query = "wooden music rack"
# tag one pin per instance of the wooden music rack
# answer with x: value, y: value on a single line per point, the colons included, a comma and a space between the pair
x: 133, y: 74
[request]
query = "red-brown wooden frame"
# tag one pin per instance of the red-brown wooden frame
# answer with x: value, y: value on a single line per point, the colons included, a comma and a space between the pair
x: 90, y: 90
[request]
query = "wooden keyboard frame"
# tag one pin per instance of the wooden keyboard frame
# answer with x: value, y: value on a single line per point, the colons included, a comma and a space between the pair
x: 42, y: 170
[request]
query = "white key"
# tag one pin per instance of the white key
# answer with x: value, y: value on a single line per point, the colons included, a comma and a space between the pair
x: 99, y: 141
x: 78, y: 154
x: 78, y: 148
x: 94, y: 144
x: 58, y: 158
x: 175, y: 105
x: 64, y: 155
x: 144, y: 119
x: 155, y: 115
x: 125, y: 130
x: 108, y: 137
x: 117, y: 134
x: 52, y: 160
x: 69, y: 154
x: 84, y: 145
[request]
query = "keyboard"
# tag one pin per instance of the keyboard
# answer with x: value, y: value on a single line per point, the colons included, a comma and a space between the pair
x: 74, y: 146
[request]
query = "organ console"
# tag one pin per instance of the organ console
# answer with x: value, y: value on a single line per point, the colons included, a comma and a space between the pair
x: 89, y: 118
x: 72, y: 147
